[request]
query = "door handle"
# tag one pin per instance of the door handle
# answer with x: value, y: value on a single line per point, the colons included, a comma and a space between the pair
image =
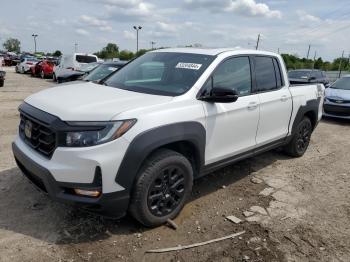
x: 252, y: 105
x: 284, y: 98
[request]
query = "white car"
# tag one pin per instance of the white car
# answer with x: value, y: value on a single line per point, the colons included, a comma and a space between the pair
x: 73, y: 62
x: 25, y: 64
x: 137, y: 142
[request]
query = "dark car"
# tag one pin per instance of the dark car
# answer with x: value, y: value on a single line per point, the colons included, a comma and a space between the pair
x: 307, y: 76
x: 103, y: 71
x: 2, y: 78
x: 77, y: 74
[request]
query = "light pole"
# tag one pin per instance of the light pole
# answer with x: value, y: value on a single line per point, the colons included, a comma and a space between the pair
x: 34, y: 37
x: 75, y: 47
x: 152, y: 44
x: 137, y: 28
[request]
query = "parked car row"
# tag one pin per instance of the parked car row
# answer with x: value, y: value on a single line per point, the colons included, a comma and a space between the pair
x: 77, y: 66
x: 337, y: 94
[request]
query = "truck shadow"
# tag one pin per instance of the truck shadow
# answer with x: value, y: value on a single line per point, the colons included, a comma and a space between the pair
x: 26, y: 211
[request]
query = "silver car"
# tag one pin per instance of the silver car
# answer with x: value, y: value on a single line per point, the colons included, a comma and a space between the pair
x: 337, y: 100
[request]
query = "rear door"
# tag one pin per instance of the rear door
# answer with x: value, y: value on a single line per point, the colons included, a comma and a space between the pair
x: 275, y: 100
x: 231, y: 127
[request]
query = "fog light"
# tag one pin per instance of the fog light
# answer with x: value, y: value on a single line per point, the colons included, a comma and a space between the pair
x: 90, y: 193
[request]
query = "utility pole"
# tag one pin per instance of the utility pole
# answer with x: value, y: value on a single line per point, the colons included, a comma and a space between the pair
x: 308, y: 52
x: 137, y: 28
x: 34, y: 37
x: 278, y: 50
x: 314, y: 60
x: 341, y: 60
x: 257, y: 42
x: 152, y: 44
x: 75, y: 47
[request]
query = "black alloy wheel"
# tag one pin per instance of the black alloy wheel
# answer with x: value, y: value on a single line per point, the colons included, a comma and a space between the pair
x: 166, y: 191
x: 303, y: 137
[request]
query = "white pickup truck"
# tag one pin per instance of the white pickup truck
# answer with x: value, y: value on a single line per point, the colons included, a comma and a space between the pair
x: 137, y: 141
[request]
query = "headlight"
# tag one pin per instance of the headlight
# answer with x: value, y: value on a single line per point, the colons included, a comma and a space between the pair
x: 102, y: 132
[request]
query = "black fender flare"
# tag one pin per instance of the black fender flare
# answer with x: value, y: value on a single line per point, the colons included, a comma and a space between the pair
x: 311, y: 106
x: 148, y: 141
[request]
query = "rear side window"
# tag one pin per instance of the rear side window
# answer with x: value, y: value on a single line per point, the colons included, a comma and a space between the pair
x: 85, y: 59
x: 265, y: 74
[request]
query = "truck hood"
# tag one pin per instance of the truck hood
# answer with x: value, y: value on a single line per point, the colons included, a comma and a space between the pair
x: 338, y: 93
x: 91, y: 102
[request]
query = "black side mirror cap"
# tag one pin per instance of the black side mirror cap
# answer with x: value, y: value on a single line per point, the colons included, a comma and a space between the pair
x: 220, y: 95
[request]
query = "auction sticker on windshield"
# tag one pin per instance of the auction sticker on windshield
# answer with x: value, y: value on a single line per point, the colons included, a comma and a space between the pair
x: 188, y: 66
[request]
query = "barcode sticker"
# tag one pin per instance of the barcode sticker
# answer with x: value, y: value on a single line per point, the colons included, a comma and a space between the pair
x: 188, y: 66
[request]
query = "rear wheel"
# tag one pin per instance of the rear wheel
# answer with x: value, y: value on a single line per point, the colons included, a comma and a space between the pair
x: 301, y: 139
x: 163, y: 185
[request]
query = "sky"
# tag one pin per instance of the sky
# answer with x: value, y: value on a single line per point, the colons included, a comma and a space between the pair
x: 287, y: 26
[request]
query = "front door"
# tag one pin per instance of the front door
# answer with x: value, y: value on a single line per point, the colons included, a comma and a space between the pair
x: 231, y: 127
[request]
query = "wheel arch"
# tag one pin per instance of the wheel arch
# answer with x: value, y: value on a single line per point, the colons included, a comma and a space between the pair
x: 186, y: 138
x: 309, y: 110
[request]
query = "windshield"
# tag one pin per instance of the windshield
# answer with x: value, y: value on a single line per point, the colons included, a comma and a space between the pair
x: 161, y: 73
x: 342, y: 83
x: 85, y: 59
x: 101, y: 72
x: 299, y: 74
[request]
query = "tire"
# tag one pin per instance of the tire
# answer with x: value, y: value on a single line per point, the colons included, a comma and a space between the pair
x: 54, y: 78
x: 156, y: 196
x: 16, y: 69
x: 301, y: 139
x: 2, y: 83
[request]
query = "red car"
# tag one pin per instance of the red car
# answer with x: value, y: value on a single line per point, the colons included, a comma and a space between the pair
x: 43, y: 69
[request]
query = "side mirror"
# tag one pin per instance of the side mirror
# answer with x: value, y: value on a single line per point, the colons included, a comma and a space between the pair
x: 220, y: 95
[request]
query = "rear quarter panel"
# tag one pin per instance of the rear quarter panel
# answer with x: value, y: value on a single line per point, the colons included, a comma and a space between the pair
x: 304, y: 95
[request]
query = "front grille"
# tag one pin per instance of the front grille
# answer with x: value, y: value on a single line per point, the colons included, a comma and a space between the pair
x: 42, y: 138
x: 337, y: 110
x: 338, y: 100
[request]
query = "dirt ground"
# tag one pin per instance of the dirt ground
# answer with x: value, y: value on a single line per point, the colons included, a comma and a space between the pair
x: 300, y: 208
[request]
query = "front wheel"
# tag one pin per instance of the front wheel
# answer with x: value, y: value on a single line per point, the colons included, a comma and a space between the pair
x: 301, y: 139
x: 2, y: 83
x: 163, y: 185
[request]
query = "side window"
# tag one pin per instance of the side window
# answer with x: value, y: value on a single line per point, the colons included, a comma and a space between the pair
x: 234, y: 73
x: 265, y: 73
x: 278, y: 73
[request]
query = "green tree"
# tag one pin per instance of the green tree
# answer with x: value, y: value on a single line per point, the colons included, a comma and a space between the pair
x: 126, y: 55
x: 12, y: 45
x: 57, y: 53
x: 141, y: 52
x: 318, y: 63
x: 109, y: 51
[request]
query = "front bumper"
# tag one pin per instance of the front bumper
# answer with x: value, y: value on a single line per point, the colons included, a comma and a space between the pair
x: 108, y: 204
x: 336, y: 110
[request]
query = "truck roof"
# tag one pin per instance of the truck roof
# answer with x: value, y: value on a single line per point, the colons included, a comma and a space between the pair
x: 213, y: 51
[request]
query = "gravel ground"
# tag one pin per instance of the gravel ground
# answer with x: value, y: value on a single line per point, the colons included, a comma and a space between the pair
x: 299, y: 208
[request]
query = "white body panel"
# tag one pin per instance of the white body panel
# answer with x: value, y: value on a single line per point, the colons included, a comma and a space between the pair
x: 231, y: 128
